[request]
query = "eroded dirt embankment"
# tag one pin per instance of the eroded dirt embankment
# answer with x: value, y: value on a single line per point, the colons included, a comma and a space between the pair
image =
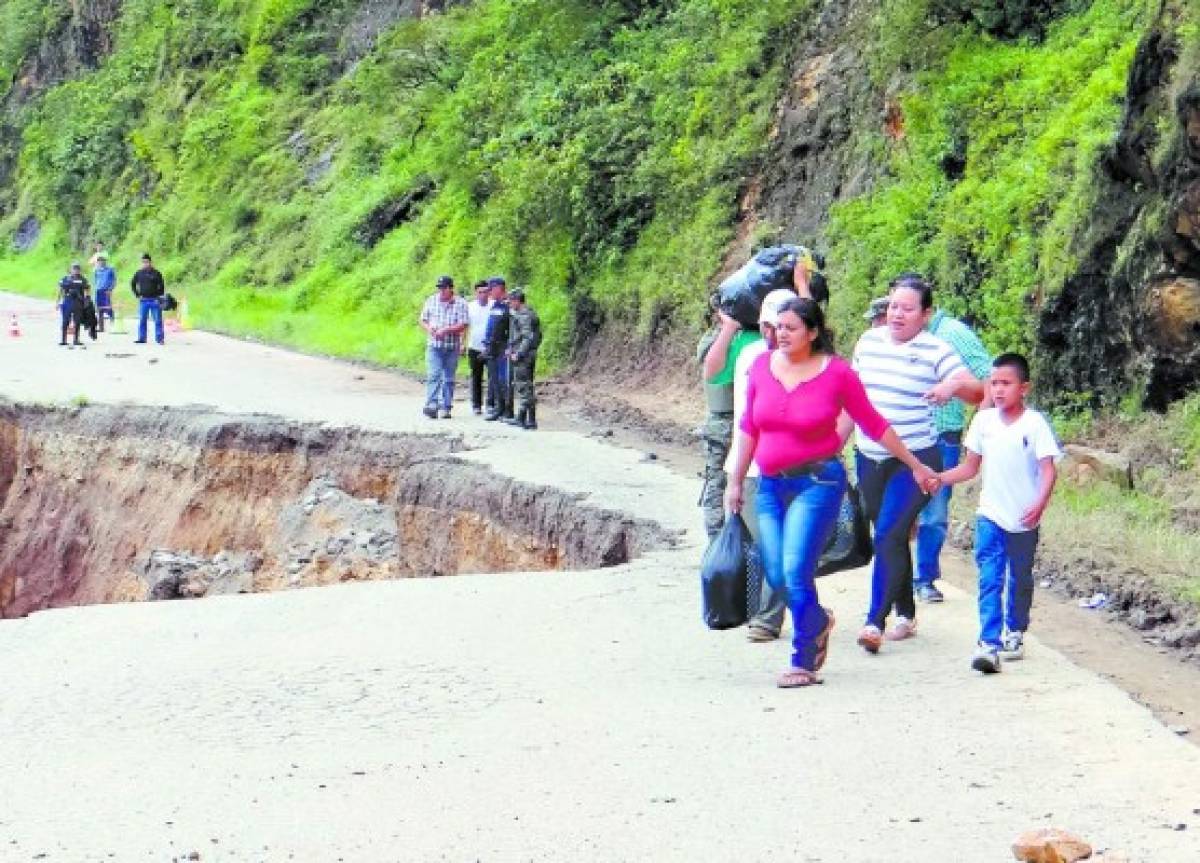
x: 104, y: 504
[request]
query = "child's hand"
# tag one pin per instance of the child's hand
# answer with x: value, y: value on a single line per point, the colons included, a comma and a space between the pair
x: 1032, y: 517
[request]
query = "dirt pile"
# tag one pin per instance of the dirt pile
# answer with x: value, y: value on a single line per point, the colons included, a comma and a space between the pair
x: 103, y: 504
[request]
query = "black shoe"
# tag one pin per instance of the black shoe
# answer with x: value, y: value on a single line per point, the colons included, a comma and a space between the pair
x: 63, y: 343
x: 492, y: 417
x: 530, y: 419
x: 429, y: 411
x: 139, y: 341
x: 518, y: 420
x: 445, y: 413
x: 78, y: 343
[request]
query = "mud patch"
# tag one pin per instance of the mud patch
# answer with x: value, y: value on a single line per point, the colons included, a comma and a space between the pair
x: 103, y: 504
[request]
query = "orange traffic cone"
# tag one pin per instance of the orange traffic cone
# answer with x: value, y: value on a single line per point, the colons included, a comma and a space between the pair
x: 14, y: 329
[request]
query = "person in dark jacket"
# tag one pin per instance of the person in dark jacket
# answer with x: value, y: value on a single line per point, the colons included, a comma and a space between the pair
x: 73, y: 289
x: 495, y: 347
x: 524, y: 338
x: 149, y: 287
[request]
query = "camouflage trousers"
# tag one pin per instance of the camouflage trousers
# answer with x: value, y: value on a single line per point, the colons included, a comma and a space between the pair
x: 524, y: 396
x: 716, y: 436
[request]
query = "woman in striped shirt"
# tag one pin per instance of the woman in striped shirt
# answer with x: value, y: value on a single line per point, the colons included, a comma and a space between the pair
x: 797, y: 397
x: 906, y: 372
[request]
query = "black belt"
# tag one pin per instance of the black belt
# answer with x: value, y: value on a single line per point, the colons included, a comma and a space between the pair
x: 808, y: 468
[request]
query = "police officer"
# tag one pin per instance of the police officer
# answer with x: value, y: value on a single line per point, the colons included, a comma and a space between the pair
x: 716, y: 434
x: 524, y: 337
x: 73, y: 289
x: 495, y: 348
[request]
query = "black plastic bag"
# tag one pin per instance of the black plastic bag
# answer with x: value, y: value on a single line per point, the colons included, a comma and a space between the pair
x: 742, y: 293
x: 850, y: 545
x: 723, y: 574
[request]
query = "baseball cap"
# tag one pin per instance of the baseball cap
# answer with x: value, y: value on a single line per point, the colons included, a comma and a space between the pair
x: 769, y: 313
x: 878, y: 306
x: 445, y: 282
x: 517, y: 294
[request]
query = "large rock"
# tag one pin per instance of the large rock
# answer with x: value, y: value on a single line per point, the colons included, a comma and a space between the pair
x: 1084, y: 465
x: 1050, y: 845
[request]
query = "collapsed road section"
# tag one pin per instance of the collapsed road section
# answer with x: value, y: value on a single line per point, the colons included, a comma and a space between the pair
x: 122, y: 504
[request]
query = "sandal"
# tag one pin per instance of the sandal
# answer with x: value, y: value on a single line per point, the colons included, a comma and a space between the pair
x: 823, y: 640
x: 870, y: 639
x: 794, y: 678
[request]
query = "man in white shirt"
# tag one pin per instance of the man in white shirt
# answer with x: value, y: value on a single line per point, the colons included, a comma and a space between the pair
x: 478, y: 311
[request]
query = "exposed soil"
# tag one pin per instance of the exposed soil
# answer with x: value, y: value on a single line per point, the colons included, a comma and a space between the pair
x: 104, y: 504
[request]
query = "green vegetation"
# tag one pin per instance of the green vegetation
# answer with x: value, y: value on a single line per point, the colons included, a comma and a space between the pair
x: 592, y: 150
x: 993, y: 177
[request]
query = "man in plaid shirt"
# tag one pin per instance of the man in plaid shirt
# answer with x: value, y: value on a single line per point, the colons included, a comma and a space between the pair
x: 950, y: 420
x: 444, y: 317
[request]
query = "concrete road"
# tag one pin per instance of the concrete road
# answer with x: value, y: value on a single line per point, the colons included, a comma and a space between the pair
x: 580, y: 716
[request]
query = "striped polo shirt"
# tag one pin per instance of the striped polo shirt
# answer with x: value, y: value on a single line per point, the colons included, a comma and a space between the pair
x: 897, y: 376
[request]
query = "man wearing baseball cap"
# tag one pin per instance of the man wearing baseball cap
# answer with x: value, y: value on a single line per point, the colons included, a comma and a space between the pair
x: 444, y: 317
x: 876, y: 313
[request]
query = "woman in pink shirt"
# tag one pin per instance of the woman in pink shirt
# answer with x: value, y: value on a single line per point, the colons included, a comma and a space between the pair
x: 794, y: 399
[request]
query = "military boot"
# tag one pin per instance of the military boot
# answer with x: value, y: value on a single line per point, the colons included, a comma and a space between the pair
x: 518, y: 420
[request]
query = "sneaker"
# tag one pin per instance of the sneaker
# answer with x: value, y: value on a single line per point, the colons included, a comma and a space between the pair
x: 760, y: 634
x: 477, y: 411
x: 445, y: 413
x: 929, y: 593
x: 903, y: 628
x: 429, y: 411
x: 870, y: 638
x: 491, y: 417
x: 1014, y: 647
x: 986, y: 659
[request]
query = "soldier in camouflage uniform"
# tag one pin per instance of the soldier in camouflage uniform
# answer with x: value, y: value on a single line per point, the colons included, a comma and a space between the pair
x: 717, y: 352
x: 524, y: 337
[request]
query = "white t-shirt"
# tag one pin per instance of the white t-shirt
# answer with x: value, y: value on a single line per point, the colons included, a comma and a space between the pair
x: 1011, y: 456
x: 897, y: 377
x: 478, y: 318
x: 741, y: 382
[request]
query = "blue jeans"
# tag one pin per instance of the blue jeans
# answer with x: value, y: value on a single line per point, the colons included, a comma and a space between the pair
x: 152, y: 307
x: 441, y: 364
x: 498, y: 390
x: 104, y: 308
x: 1005, y: 562
x: 934, y: 521
x: 795, y: 517
x: 892, y: 500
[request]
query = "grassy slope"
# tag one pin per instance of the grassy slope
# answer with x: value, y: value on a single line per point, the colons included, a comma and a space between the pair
x: 1025, y: 124
x: 592, y: 150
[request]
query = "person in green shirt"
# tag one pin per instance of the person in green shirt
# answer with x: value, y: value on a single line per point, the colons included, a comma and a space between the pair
x: 718, y: 352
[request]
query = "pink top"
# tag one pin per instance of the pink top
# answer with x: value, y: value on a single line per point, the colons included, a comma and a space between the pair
x: 798, y: 426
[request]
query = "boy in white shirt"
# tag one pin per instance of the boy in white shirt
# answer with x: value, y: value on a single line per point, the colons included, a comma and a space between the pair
x: 1017, y: 450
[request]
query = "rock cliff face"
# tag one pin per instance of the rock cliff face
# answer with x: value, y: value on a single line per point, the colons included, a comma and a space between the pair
x: 829, y: 106
x: 1131, y: 313
x: 108, y: 505
x: 80, y: 40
